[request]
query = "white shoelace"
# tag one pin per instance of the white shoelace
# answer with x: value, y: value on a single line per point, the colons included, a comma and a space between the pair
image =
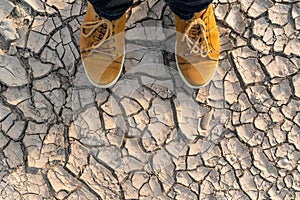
x: 103, y: 39
x: 195, y: 46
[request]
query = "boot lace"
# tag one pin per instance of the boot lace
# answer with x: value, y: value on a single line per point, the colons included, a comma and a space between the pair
x: 104, y: 28
x: 196, y: 39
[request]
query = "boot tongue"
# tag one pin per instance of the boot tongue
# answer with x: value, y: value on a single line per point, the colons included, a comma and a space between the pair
x: 195, y: 32
x: 199, y: 14
x: 102, y: 30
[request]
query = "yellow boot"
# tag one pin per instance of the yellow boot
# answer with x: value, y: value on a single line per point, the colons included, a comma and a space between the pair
x: 197, y: 48
x: 102, y: 47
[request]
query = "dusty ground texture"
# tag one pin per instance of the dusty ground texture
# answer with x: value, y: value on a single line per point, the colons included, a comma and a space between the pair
x: 150, y: 137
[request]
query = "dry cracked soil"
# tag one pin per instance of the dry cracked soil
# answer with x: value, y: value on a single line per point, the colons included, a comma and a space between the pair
x: 150, y: 136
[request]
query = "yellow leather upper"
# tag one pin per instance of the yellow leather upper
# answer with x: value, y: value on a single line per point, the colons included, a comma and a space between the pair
x: 197, y: 69
x: 102, y: 64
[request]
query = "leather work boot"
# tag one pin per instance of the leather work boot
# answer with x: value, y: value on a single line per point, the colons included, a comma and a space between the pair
x: 102, y: 47
x: 197, y: 48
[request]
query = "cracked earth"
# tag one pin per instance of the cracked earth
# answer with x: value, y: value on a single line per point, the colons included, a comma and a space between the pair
x: 150, y: 136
